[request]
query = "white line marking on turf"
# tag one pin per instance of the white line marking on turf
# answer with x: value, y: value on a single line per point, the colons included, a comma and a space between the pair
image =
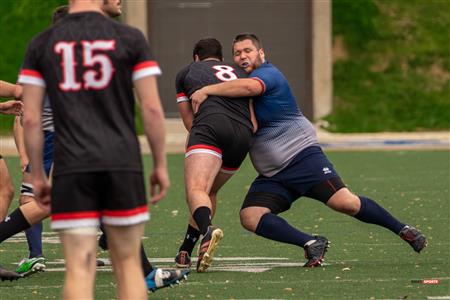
x: 438, y: 297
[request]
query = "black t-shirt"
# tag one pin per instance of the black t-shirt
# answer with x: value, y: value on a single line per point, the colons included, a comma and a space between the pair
x: 87, y: 63
x: 199, y: 74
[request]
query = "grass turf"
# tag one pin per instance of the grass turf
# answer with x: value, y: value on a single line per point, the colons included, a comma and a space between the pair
x: 364, y: 262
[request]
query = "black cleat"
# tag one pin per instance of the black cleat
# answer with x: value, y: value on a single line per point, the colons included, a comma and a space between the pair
x: 414, y: 237
x: 9, y: 275
x: 183, y: 259
x: 207, y: 247
x: 162, y: 278
x: 315, y: 251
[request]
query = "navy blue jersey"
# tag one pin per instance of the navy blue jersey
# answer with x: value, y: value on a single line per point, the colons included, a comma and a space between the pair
x: 199, y: 74
x: 283, y: 131
x: 87, y: 63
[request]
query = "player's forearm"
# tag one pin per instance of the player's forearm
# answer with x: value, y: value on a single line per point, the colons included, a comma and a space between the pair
x: 33, y: 97
x: 7, y: 89
x: 235, y: 88
x: 19, y: 138
x: 34, y: 142
x: 153, y: 119
x: 187, y: 115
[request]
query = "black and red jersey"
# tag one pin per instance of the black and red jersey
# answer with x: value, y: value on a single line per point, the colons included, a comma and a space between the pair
x: 87, y: 63
x: 199, y: 74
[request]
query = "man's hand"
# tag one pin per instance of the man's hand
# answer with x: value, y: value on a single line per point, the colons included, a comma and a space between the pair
x: 42, y: 192
x: 197, y: 99
x: 159, y: 184
x: 12, y: 107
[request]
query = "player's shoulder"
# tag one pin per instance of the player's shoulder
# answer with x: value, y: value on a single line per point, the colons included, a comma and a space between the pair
x: 266, y: 69
x: 183, y: 71
x: 41, y: 39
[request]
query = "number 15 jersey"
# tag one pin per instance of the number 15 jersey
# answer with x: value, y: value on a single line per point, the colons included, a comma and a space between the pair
x: 87, y: 63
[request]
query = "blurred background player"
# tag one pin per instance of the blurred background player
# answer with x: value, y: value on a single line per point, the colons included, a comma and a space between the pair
x: 92, y: 137
x: 218, y: 142
x: 7, y: 90
x: 290, y: 163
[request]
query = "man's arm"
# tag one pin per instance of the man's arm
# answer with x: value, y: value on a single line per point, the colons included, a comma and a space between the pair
x: 7, y: 90
x: 33, y: 97
x: 20, y: 142
x: 153, y: 121
x: 187, y: 115
x: 243, y: 87
x: 12, y: 107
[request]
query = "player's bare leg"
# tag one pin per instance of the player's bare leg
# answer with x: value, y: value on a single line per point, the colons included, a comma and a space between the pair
x: 183, y: 257
x: 80, y: 255
x: 345, y: 202
x: 200, y: 171
x: 124, y: 247
x: 34, y: 213
x: 6, y: 189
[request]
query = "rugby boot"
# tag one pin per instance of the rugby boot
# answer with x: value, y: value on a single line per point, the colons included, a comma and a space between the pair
x: 414, y: 237
x: 315, y: 251
x: 207, y: 247
x: 183, y: 259
x: 160, y: 278
x: 8, y: 275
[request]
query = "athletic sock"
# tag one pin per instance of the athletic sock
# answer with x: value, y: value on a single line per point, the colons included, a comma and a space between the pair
x: 34, y: 239
x: 371, y: 212
x: 277, y: 229
x: 146, y: 265
x: 13, y: 224
x: 202, y: 216
x: 191, y: 237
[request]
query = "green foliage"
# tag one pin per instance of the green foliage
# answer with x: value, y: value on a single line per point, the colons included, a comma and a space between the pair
x: 20, y: 21
x: 396, y: 72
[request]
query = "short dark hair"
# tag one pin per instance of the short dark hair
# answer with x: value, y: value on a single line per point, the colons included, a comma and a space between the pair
x: 248, y: 36
x: 208, y: 48
x: 59, y: 13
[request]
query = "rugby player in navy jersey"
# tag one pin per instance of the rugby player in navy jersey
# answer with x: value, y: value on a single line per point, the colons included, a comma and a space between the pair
x: 88, y: 65
x: 290, y: 163
x: 218, y: 142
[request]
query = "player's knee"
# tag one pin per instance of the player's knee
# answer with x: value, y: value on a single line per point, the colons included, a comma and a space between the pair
x: 345, y: 202
x: 251, y: 216
x: 249, y: 220
x: 7, y: 192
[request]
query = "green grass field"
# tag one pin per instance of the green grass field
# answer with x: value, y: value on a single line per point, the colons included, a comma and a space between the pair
x: 364, y: 262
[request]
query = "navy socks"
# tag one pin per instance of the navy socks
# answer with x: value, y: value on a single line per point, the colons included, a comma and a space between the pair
x: 275, y: 228
x: 373, y: 213
x: 34, y: 239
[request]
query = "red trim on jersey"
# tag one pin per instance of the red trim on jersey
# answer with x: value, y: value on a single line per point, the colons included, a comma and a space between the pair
x: 229, y: 169
x: 76, y: 215
x: 263, y: 85
x: 33, y: 73
x: 181, y: 95
x: 145, y: 64
x: 126, y: 212
x: 201, y: 146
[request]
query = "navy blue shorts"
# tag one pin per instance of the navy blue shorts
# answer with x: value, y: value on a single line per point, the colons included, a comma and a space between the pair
x: 47, y: 152
x: 309, y: 169
x: 49, y: 137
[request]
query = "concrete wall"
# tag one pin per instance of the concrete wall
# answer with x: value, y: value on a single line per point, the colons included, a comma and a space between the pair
x: 300, y: 47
